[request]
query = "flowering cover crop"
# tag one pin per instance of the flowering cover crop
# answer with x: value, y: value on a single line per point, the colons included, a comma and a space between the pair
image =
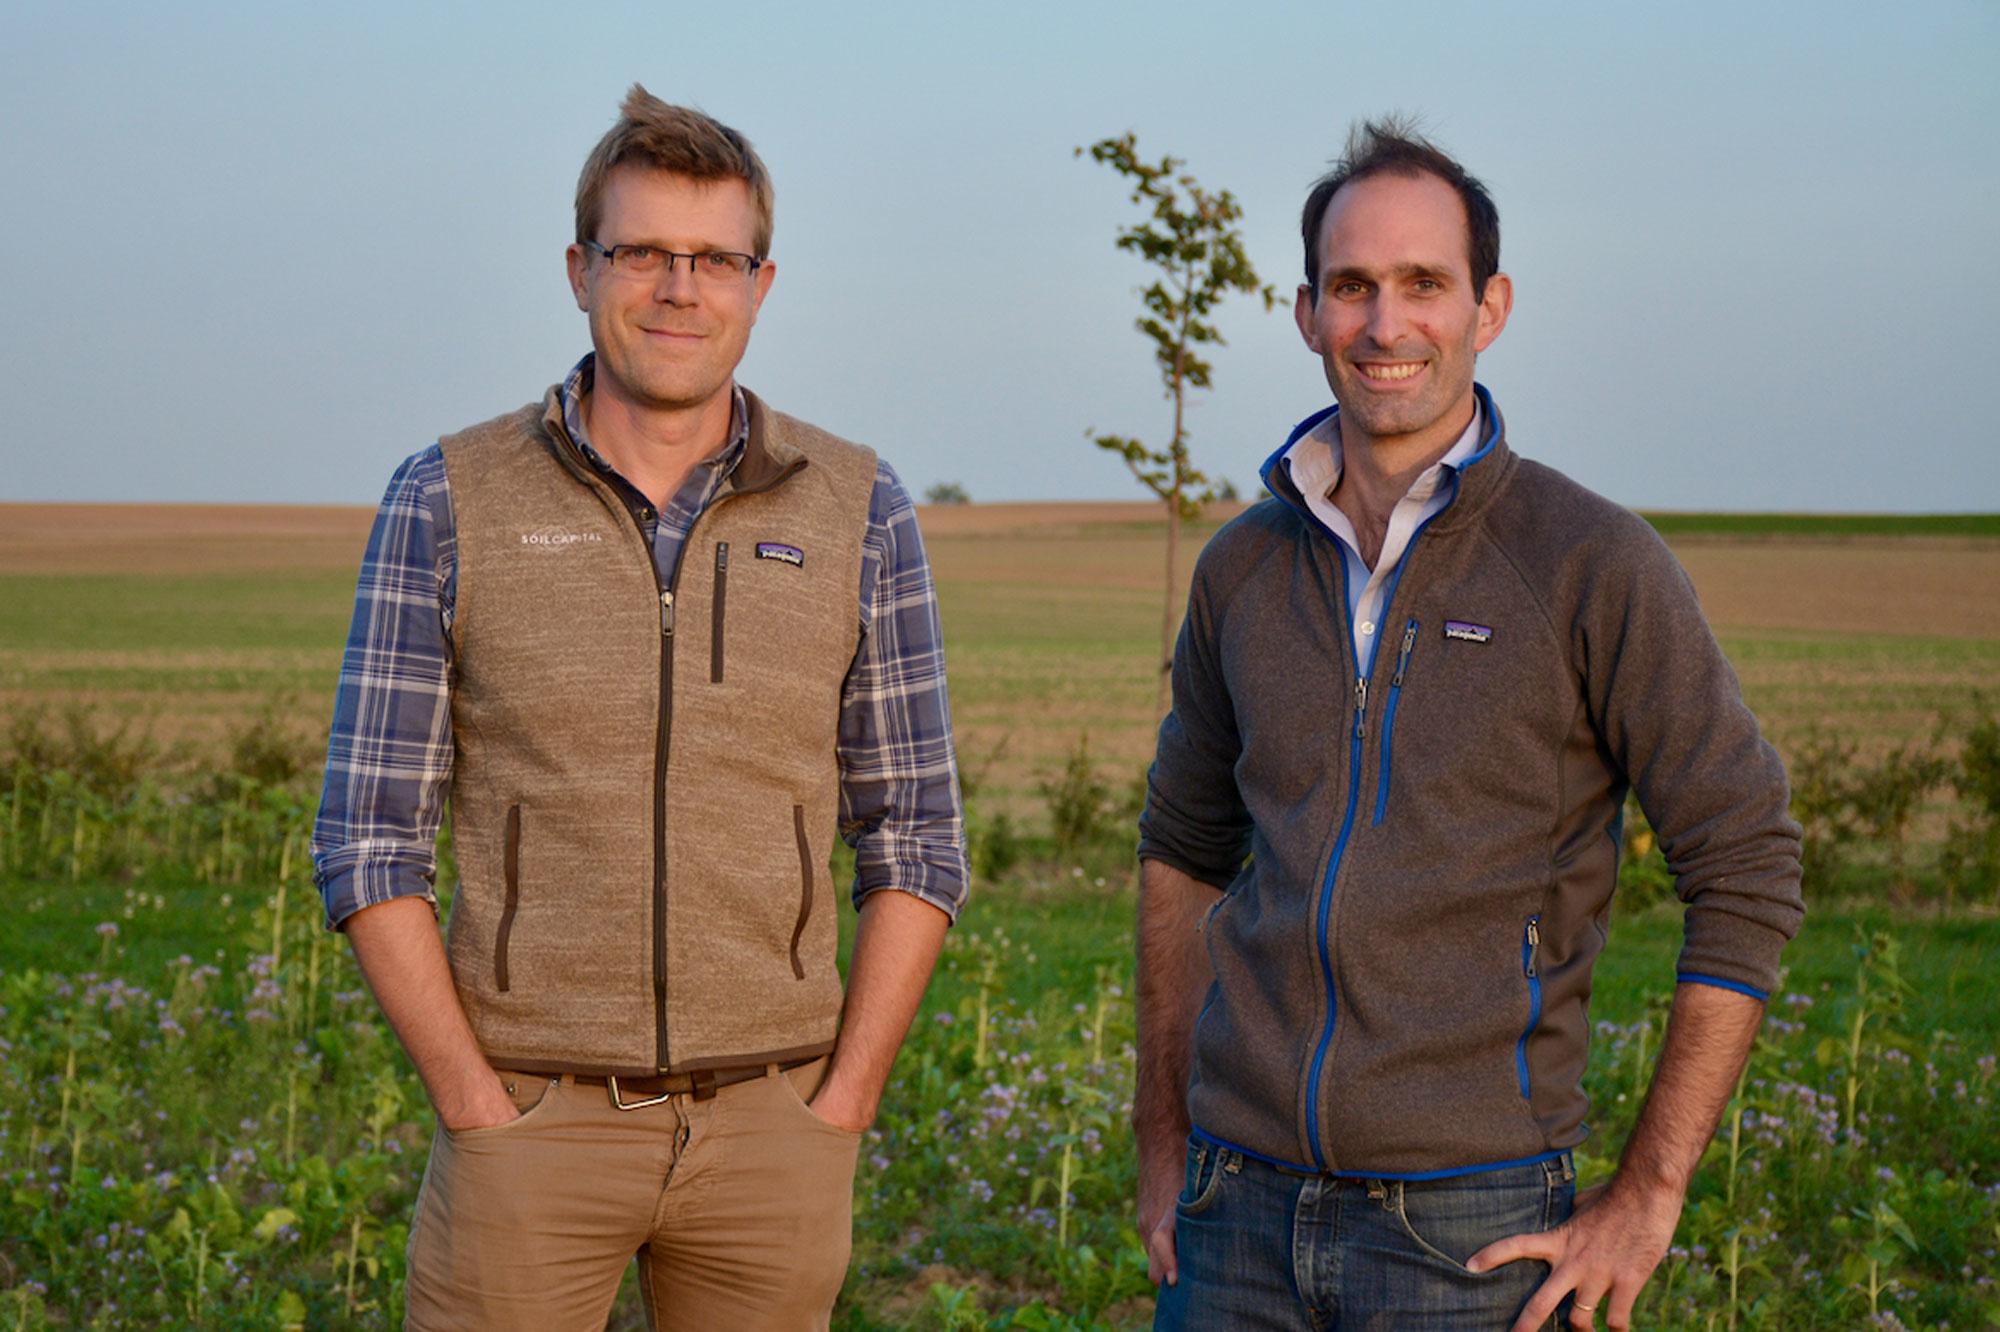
x: 236, y: 1141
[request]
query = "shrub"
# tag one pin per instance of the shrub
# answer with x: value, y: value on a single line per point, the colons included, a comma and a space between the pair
x: 1822, y: 802
x: 107, y: 760
x: 1971, y: 855
x: 270, y: 751
x: 1080, y: 804
x: 1887, y: 794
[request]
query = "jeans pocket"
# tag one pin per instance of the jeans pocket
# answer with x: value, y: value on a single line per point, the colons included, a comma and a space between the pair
x: 1452, y: 1222
x: 1206, y: 1165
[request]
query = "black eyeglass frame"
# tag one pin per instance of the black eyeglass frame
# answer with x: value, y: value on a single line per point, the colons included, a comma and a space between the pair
x: 751, y: 262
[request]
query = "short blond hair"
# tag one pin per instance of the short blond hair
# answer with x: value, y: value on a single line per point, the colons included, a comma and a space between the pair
x: 657, y: 134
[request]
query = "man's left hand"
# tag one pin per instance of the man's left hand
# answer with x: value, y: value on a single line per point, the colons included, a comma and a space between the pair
x: 1604, y: 1253
x: 839, y: 1110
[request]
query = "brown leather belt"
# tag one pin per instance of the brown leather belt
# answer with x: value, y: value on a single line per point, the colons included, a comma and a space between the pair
x: 702, y: 1083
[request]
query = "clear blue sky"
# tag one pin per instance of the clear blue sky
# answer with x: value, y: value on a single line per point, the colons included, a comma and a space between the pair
x: 261, y: 252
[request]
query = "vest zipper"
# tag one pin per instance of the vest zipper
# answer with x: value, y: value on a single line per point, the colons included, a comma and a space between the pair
x: 663, y: 737
x: 1389, y: 718
x: 1531, y: 943
x: 663, y: 734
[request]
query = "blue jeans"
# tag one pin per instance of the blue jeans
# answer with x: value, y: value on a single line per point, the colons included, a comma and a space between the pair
x: 1261, y: 1247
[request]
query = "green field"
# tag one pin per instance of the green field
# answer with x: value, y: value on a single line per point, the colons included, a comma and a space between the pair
x: 1825, y: 524
x: 202, y: 1119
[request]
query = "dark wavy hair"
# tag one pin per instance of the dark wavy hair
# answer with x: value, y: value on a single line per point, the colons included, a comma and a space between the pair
x: 1393, y: 147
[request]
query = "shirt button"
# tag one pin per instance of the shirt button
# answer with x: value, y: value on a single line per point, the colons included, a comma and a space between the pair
x: 1367, y: 628
x: 645, y: 515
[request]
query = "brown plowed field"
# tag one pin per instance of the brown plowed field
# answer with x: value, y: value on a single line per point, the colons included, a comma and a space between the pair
x: 179, y: 538
x: 194, y: 616
x: 1937, y: 586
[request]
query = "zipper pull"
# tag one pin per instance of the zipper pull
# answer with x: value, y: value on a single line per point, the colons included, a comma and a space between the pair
x: 1403, y: 661
x: 1534, y: 945
x: 667, y: 613
x: 1360, y: 709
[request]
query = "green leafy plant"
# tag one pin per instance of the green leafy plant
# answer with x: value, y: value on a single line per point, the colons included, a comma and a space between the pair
x: 1190, y: 235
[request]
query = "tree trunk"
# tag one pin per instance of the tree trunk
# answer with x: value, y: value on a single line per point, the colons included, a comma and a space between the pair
x: 1167, y: 617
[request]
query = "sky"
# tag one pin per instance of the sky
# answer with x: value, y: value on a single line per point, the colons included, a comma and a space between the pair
x: 262, y: 252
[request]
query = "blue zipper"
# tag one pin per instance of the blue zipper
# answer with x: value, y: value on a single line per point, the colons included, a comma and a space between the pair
x: 1325, y: 914
x: 1360, y: 733
x: 1531, y: 942
x: 1389, y: 718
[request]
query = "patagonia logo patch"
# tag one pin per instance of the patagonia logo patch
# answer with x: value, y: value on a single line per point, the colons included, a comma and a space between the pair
x: 777, y: 550
x: 1467, y: 632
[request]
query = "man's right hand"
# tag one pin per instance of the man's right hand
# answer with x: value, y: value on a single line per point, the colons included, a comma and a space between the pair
x: 396, y: 942
x: 480, y: 1107
x: 1159, y: 1186
x: 1173, y: 976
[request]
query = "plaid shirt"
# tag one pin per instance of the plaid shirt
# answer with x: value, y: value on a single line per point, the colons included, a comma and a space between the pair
x: 389, y: 755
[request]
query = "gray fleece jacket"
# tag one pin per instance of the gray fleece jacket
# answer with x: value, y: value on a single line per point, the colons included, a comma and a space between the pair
x: 1402, y: 968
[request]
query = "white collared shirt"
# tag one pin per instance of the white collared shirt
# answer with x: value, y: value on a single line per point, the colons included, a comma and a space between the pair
x: 1314, y: 463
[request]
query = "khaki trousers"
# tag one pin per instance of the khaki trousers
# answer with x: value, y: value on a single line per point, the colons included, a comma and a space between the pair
x: 739, y: 1209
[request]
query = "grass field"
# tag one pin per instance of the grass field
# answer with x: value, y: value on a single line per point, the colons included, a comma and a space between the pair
x: 1826, y: 524
x: 202, y: 1119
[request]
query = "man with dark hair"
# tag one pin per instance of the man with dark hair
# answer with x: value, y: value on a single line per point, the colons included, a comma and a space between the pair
x: 619, y: 628
x: 1413, y: 688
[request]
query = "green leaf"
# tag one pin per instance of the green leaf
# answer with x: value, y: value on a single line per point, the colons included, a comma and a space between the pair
x: 290, y: 1311
x: 271, y: 1222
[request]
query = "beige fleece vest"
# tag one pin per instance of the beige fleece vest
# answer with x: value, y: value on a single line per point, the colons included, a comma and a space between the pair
x: 645, y: 788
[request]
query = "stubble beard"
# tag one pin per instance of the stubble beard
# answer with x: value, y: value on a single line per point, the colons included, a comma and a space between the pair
x: 656, y: 383
x: 1385, y: 417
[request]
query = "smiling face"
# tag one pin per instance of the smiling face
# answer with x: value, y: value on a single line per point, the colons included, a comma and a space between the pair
x: 1395, y: 322
x: 669, y: 342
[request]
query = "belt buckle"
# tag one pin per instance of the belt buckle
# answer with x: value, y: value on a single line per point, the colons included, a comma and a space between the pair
x: 611, y: 1088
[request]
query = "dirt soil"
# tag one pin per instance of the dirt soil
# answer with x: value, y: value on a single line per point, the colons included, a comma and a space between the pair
x: 179, y: 538
x: 1944, y: 587
x: 1934, y: 586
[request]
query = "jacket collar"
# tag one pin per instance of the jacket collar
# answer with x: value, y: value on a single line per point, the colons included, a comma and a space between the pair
x: 1476, y: 480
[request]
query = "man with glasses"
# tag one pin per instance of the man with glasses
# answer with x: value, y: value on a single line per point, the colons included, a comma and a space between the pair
x: 619, y: 628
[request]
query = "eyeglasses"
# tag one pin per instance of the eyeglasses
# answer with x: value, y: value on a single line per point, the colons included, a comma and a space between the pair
x: 646, y: 261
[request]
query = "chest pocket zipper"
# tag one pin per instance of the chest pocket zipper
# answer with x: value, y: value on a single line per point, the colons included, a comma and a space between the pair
x: 721, y: 604
x: 1389, y: 719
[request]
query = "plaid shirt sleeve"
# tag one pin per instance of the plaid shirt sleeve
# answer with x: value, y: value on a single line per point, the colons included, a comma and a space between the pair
x: 899, y: 803
x: 389, y: 753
